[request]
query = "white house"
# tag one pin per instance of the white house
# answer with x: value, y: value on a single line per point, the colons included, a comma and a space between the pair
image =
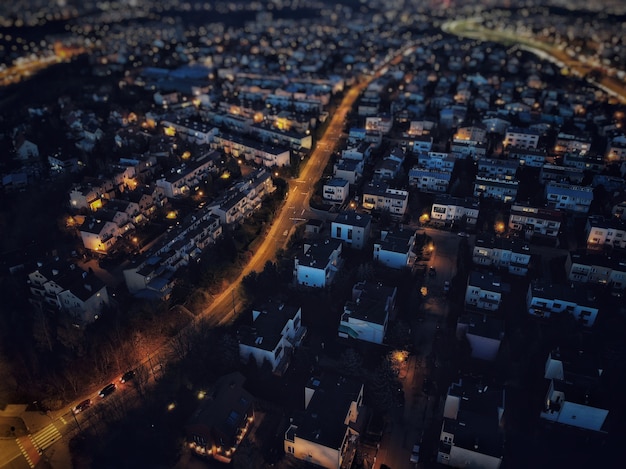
x: 574, y: 395
x: 499, y: 188
x: 326, y: 433
x: 452, y: 210
x: 524, y: 138
x: 533, y: 158
x: 598, y: 269
x: 350, y: 170
x: 275, y: 332
x: 336, y: 190
x: 99, y: 235
x: 352, y: 228
x: 567, y: 197
x: 318, y: 264
x: 182, y: 180
x: 429, y: 180
x: 603, y: 232
x: 546, y: 300
x: 535, y: 222
x: 366, y: 316
x: 472, y: 431
x: 484, y: 291
x: 504, y: 253
x: 380, y: 197
x: 395, y: 249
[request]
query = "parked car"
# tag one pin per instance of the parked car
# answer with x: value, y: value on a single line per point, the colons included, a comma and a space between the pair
x: 82, y: 406
x: 415, y: 454
x: 127, y: 376
x: 108, y: 389
x: 463, y: 234
x: 446, y: 286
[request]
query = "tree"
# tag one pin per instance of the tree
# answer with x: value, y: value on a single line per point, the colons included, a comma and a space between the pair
x: 351, y: 363
x: 383, y: 386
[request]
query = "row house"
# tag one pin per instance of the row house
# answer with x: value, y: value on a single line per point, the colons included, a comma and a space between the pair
x: 468, y: 149
x: 436, y: 160
x: 575, y: 394
x: 545, y: 300
x: 99, y: 235
x: 504, y: 253
x: 326, y: 432
x: 429, y: 180
x: 485, y: 290
x: 222, y: 420
x: 568, y: 143
x: 483, y: 332
x: 152, y: 276
x: 453, y: 210
x: 567, y: 197
x: 584, y: 162
x: 396, y: 248
x: 499, y: 169
x: 556, y: 173
x: 291, y: 139
x: 352, y: 228
x: 90, y: 194
x: 54, y: 287
x: 196, y: 132
x: 533, y: 158
x: 496, y: 188
x: 251, y: 150
x: 472, y: 432
x: 535, y: 222
x: 597, y: 269
x: 336, y: 190
x: 366, y: 316
x: 521, y: 138
x: 603, y: 233
x: 318, y: 264
x: 348, y: 169
x: 232, y: 122
x: 145, y: 200
x: 180, y: 181
x: 380, y: 197
x: 275, y: 332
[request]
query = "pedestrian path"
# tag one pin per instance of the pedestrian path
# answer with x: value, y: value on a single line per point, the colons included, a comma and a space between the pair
x: 46, y: 437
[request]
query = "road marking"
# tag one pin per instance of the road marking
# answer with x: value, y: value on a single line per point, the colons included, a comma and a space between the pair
x: 24, y: 452
x: 45, y: 437
x: 63, y: 420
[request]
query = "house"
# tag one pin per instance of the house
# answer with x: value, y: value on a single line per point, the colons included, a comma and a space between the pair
x: 605, y: 233
x: 585, y: 162
x: 395, y: 248
x: 472, y: 430
x: 327, y: 431
x: 451, y: 211
x: 336, y: 190
x: 533, y: 158
x: 99, y: 235
x: 568, y: 197
x: 568, y: 143
x: 259, y: 153
x: 192, y: 131
x: 429, y: 180
x: 180, y: 181
x: 350, y: 170
x: 497, y: 169
x: 575, y: 394
x: 421, y: 143
x: 58, y: 287
x: 275, y: 332
x: 390, y: 166
x: 25, y: 149
x: 361, y: 152
x: 474, y: 133
x: 536, y: 223
x: 484, y: 291
x: 381, y: 124
x: 352, y: 228
x: 366, y: 316
x: 89, y: 195
x: 499, y: 188
x: 221, y: 422
x: 468, y: 149
x: 483, y: 332
x: 504, y: 253
x: 380, y: 197
x: 552, y: 172
x: 597, y: 269
x: 318, y: 264
x: 545, y: 300
x: 523, y: 138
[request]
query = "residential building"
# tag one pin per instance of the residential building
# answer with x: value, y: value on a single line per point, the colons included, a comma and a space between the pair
x: 318, y: 264
x: 429, y: 180
x: 468, y: 149
x: 350, y: 170
x: 275, y: 332
x: 536, y: 223
x: 289, y: 138
x: 568, y: 143
x: 545, y: 300
x: 605, y: 233
x: 567, y: 197
x: 380, y: 197
x: 396, y: 249
x: 89, y: 195
x: 421, y: 143
x: 436, y: 160
x: 484, y: 291
x: 521, y: 138
x: 221, y: 422
x: 474, y: 133
x: 597, y: 269
x: 254, y: 151
x: 472, y: 430
x: 510, y: 254
x: 533, y: 158
x: 483, y: 332
x: 381, y: 124
x: 99, y: 235
x: 360, y: 152
x: 336, y: 190
x: 499, y: 188
x: 193, y: 131
x: 180, y: 181
x: 584, y: 162
x: 497, y: 169
x: 352, y: 228
x: 455, y: 210
x: 556, y: 173
x: 575, y: 394
x: 366, y: 316
x: 58, y: 287
x: 327, y: 432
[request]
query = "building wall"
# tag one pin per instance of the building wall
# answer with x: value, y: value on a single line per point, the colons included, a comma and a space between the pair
x: 314, y: 453
x: 483, y: 348
x: 395, y: 260
x: 462, y: 457
x: 311, y: 276
x: 367, y: 331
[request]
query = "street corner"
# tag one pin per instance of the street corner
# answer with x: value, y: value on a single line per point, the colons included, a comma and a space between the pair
x: 12, y: 427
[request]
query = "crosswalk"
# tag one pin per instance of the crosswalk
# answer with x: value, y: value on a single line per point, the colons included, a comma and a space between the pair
x: 44, y: 438
x: 25, y: 451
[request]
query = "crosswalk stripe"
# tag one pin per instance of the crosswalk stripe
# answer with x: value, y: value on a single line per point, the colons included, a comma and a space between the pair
x: 63, y: 420
x: 45, y: 437
x: 19, y: 443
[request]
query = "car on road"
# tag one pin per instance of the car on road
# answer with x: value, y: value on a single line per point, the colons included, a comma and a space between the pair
x: 82, y: 406
x: 108, y: 389
x: 127, y: 376
x: 432, y: 271
x: 446, y: 286
x: 463, y: 234
x: 415, y: 454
